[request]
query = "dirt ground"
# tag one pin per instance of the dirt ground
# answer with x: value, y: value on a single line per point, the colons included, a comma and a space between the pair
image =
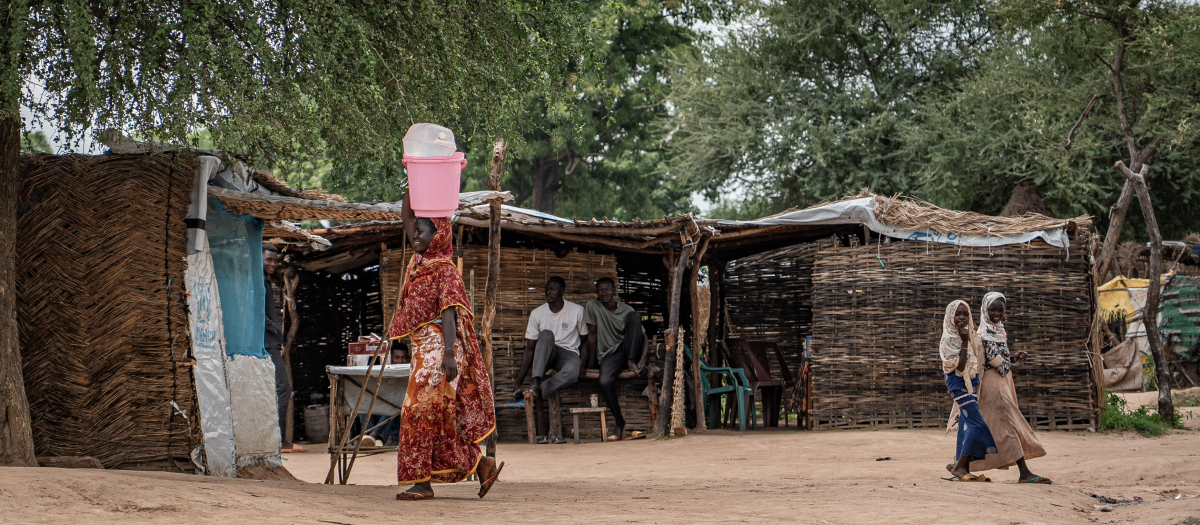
x: 719, y: 476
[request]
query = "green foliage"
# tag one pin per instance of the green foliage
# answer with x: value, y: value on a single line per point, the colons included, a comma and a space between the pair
x: 600, y: 154
x: 35, y: 142
x: 288, y: 81
x: 1145, y: 422
x: 805, y: 100
x: 1010, y: 121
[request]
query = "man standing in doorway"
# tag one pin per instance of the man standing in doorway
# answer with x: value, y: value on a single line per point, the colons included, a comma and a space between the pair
x: 617, y: 339
x: 552, y: 340
x: 273, y: 341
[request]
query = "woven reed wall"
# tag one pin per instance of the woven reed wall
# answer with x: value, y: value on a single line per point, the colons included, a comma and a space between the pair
x: 769, y: 298
x: 876, y: 330
x: 104, y: 344
x: 334, y: 310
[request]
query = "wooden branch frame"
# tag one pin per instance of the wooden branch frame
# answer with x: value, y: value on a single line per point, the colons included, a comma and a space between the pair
x: 1166, y: 408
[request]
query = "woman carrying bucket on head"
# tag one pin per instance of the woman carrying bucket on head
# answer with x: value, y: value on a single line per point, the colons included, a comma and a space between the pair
x: 448, y: 408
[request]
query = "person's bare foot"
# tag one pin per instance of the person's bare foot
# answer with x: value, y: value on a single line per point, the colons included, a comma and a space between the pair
x: 1030, y: 477
x: 486, y: 471
x: 417, y: 492
x: 957, y: 471
x: 636, y: 368
x: 619, y: 432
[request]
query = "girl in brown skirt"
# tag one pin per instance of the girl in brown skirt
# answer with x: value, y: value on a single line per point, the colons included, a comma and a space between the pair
x: 998, y: 397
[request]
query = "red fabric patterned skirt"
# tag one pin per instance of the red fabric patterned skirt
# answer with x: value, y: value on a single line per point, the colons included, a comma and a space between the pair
x: 442, y: 422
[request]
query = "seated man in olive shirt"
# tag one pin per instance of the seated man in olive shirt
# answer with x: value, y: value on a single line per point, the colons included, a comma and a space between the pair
x: 616, y: 337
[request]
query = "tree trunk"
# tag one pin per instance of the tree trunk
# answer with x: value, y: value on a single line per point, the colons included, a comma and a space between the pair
x: 698, y: 337
x: 492, y: 288
x: 545, y: 171
x: 16, y: 430
x: 1166, y: 406
x: 1116, y: 222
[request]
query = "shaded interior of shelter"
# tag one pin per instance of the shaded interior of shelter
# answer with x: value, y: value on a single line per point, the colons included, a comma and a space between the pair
x: 873, y: 305
x: 336, y: 307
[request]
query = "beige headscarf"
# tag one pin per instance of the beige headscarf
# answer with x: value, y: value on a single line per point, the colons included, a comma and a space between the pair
x: 949, y: 347
x: 951, y: 344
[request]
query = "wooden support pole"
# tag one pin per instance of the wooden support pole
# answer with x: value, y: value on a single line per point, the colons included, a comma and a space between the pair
x: 492, y: 288
x: 666, y: 397
x: 716, y: 277
x: 698, y: 337
x: 1166, y: 406
x: 291, y: 282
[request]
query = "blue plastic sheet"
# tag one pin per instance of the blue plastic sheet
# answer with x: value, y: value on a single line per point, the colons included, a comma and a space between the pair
x: 236, y: 245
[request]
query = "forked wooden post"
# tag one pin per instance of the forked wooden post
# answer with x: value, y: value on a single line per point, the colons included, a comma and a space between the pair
x: 492, y: 288
x: 666, y: 398
x: 1166, y: 406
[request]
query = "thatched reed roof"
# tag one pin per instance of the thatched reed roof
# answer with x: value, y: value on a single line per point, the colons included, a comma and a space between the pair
x: 888, y: 216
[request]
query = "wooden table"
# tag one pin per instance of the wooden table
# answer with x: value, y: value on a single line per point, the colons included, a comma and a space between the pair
x: 603, y: 425
x: 345, y: 383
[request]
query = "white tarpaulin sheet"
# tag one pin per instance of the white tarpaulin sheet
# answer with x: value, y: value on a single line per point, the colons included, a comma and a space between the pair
x: 862, y: 211
x: 255, y: 414
x: 208, y: 348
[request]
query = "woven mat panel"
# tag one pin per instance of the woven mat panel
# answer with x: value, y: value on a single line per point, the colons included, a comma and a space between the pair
x: 876, y: 330
x: 769, y: 298
x: 334, y: 310
x: 272, y: 211
x: 104, y: 343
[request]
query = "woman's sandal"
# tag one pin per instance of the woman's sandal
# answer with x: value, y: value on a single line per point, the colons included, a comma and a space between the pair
x: 412, y: 496
x: 1036, y: 480
x: 968, y: 477
x: 486, y: 484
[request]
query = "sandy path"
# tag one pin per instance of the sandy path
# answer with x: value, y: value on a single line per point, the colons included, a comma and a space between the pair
x: 770, y: 476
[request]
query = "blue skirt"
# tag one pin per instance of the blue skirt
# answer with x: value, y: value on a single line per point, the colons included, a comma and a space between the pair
x: 974, y: 437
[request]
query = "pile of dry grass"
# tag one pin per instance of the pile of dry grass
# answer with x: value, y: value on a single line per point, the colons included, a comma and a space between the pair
x: 920, y: 215
x: 1026, y: 199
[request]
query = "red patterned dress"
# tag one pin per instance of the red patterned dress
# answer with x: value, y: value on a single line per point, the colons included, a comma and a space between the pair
x: 442, y: 422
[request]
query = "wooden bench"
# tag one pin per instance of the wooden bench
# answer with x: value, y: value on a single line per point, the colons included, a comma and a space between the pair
x: 591, y: 375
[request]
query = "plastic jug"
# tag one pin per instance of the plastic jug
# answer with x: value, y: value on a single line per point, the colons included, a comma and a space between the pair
x: 428, y: 140
x: 433, y: 183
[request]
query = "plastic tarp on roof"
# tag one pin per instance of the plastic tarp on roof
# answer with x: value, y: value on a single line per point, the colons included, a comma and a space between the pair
x: 862, y: 211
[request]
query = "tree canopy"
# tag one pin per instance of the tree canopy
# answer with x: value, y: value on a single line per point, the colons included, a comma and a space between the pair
x: 952, y: 101
x: 805, y: 100
x: 280, y: 80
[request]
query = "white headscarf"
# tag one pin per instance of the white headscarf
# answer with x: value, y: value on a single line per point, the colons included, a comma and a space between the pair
x: 951, y: 344
x: 949, y: 348
x: 987, y: 330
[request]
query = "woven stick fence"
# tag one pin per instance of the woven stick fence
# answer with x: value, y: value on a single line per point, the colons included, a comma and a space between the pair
x: 104, y: 331
x: 877, y: 313
x: 769, y: 298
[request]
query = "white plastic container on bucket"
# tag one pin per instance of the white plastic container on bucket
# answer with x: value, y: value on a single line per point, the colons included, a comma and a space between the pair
x: 434, y: 170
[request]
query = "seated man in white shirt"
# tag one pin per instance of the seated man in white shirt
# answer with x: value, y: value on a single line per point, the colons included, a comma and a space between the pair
x: 552, y: 343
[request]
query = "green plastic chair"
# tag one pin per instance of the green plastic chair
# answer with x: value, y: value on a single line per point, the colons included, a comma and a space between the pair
x: 738, y: 388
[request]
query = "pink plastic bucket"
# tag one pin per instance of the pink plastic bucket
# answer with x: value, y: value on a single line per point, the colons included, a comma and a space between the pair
x: 433, y: 183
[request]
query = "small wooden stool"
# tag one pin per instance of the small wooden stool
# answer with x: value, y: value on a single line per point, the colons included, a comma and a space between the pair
x: 603, y: 424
